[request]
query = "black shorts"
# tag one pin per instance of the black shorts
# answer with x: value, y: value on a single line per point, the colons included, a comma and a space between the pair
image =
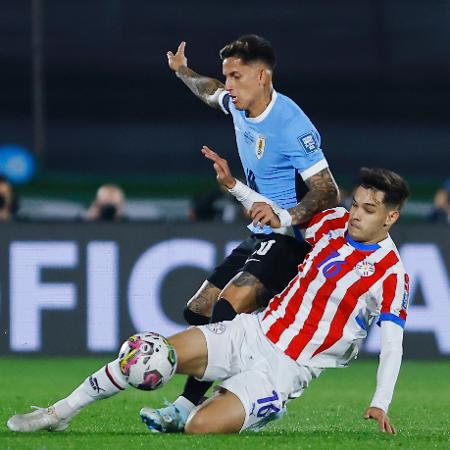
x: 272, y: 258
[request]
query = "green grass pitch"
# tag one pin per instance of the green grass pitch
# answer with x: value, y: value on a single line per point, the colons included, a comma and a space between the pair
x: 327, y: 416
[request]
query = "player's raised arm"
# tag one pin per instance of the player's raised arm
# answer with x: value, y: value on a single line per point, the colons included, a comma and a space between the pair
x: 323, y: 194
x: 205, y: 88
x: 262, y: 210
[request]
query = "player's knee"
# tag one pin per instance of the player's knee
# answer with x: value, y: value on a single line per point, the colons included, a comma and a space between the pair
x: 199, y: 423
x: 193, y: 318
x: 223, y: 310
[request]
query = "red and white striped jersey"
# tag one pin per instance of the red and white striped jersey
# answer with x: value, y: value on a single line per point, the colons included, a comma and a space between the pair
x: 322, y: 316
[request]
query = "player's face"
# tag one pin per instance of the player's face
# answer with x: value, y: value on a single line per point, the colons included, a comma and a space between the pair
x: 370, y: 219
x: 245, y: 83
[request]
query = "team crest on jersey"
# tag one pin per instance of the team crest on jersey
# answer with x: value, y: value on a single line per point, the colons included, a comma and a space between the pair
x: 308, y: 142
x: 260, y: 145
x: 365, y: 268
x: 217, y: 328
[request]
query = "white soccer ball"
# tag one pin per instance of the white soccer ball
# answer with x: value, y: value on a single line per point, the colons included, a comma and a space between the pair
x: 148, y: 360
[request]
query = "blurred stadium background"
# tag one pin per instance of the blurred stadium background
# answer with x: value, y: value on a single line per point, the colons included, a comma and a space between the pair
x: 86, y: 91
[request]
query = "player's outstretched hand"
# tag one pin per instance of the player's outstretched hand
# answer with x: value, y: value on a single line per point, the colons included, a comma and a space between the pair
x: 224, y: 176
x: 262, y: 214
x: 381, y: 417
x: 178, y: 59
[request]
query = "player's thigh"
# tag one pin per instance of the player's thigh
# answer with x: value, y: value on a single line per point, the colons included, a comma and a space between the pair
x: 259, y: 395
x: 203, y: 301
x: 192, y: 352
x: 223, y: 413
x: 273, y: 264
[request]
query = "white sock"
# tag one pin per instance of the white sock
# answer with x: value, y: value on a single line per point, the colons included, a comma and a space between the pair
x: 184, y: 405
x: 104, y: 383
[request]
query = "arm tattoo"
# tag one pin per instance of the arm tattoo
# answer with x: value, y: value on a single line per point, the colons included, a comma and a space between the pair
x: 322, y: 194
x: 203, y: 87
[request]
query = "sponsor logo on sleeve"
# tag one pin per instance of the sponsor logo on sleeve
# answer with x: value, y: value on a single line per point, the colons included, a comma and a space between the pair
x: 405, y: 299
x: 308, y: 142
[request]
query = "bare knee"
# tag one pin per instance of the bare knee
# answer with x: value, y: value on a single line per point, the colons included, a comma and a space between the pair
x: 221, y: 414
x: 199, y: 423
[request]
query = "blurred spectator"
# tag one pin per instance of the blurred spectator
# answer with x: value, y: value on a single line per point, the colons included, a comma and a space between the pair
x: 8, y: 204
x: 441, y: 208
x: 215, y: 206
x: 108, y: 204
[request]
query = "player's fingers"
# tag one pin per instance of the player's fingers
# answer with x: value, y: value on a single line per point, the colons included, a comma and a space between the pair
x: 381, y: 425
x: 181, y: 47
x: 170, y: 54
x: 389, y: 428
x: 257, y: 218
x: 210, y: 154
x: 207, y: 151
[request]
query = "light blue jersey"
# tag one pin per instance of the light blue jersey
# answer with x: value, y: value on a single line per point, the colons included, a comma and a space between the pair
x: 278, y: 149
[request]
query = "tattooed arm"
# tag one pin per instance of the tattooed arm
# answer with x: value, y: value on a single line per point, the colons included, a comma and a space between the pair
x: 323, y: 194
x: 205, y: 88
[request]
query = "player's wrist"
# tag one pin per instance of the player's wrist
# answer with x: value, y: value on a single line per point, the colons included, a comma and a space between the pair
x: 285, y: 218
x: 180, y: 71
x: 230, y: 184
x: 238, y: 189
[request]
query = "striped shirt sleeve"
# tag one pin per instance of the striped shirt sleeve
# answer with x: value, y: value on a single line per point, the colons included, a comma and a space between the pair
x: 395, y: 297
x: 324, y: 222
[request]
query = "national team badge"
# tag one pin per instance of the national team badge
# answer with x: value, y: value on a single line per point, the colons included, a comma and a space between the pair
x: 260, y: 145
x: 218, y: 327
x: 365, y: 268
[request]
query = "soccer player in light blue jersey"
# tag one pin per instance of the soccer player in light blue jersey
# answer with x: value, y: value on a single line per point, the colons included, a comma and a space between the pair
x: 281, y: 153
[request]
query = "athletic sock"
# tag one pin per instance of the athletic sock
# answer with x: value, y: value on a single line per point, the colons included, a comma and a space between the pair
x: 223, y: 310
x: 195, y: 390
x: 184, y: 406
x: 104, y: 383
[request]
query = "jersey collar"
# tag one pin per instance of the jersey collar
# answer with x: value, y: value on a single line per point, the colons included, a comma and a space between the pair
x: 361, y: 246
x: 266, y: 112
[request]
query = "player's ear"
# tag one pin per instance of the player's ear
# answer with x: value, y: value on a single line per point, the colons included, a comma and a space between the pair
x: 263, y: 76
x: 392, y: 217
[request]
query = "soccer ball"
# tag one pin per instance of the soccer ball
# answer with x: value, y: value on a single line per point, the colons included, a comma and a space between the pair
x: 148, y: 360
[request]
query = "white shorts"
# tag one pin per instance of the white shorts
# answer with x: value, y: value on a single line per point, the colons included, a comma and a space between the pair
x: 252, y: 368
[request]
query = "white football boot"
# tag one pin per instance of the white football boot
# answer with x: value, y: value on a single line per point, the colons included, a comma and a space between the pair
x: 41, y: 419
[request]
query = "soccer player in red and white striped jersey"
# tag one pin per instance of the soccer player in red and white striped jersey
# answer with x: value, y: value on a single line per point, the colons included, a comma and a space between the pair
x: 352, y: 276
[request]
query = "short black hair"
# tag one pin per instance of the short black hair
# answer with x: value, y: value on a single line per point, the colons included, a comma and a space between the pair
x: 394, y: 187
x: 250, y: 48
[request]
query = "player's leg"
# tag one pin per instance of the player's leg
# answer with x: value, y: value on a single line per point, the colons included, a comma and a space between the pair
x: 104, y: 383
x: 266, y: 271
x: 199, y: 308
x: 268, y: 263
x: 199, y: 311
x: 223, y: 413
x: 191, y: 350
